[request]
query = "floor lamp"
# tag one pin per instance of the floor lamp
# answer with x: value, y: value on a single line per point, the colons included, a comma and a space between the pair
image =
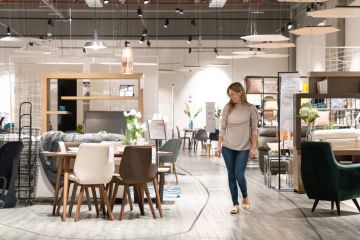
x: 172, y: 102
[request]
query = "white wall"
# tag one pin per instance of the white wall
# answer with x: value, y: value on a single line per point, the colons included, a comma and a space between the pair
x: 352, y: 39
x: 310, y: 53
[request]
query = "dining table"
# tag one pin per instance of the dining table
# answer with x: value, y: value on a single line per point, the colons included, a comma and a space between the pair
x: 63, y: 160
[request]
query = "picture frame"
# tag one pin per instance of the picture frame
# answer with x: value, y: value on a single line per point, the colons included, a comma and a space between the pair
x: 127, y: 90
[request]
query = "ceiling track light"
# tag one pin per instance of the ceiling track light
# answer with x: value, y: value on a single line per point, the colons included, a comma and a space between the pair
x: 177, y: 10
x: 189, y: 51
x: 166, y: 24
x: 146, y: 1
x: 142, y: 40
x: 139, y: 12
x: 148, y: 43
x: 181, y: 11
x: 216, y: 51
x: 8, y: 31
x: 127, y: 43
x: 193, y: 22
x: 106, y: 1
x: 189, y: 39
x: 145, y: 32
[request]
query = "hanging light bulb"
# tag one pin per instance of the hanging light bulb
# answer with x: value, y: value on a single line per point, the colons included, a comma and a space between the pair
x: 145, y: 32
x: 148, y: 43
x: 127, y: 59
x: 146, y: 1
x: 142, y: 40
x: 193, y: 22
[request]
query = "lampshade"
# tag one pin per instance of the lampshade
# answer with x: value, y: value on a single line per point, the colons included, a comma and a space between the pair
x: 302, y: 1
x: 265, y: 38
x: 337, y: 12
x: 127, y: 60
x: 271, y: 45
x: 95, y: 44
x: 315, y: 30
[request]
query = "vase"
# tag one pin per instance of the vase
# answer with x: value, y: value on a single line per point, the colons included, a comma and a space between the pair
x: 309, y: 131
x: 191, y: 124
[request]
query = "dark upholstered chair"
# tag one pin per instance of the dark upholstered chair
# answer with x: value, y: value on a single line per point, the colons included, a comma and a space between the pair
x: 137, y: 168
x: 9, y: 161
x: 200, y: 136
x: 325, y: 179
x: 173, y: 146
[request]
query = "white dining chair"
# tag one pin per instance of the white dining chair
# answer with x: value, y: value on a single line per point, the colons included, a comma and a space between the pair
x: 94, y: 167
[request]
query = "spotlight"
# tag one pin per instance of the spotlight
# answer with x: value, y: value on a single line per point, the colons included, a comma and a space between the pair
x: 146, y: 1
x: 84, y: 50
x: 189, y: 51
x: 139, y: 12
x: 216, y: 51
x: 193, y: 22
x: 290, y: 25
x: 189, y: 39
x: 127, y: 43
x: 181, y: 11
x: 106, y: 1
x: 50, y: 22
x: 142, y: 40
x: 8, y: 31
x: 148, y: 43
x: 177, y: 10
x: 166, y: 23
x: 145, y: 32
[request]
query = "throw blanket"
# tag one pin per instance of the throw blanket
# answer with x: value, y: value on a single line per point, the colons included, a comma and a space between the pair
x: 49, y: 142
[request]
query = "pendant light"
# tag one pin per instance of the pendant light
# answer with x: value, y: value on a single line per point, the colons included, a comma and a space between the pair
x: 127, y: 53
x: 95, y: 44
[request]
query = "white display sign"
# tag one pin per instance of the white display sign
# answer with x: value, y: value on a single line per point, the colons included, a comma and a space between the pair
x: 210, y: 117
x: 289, y: 85
x: 156, y: 129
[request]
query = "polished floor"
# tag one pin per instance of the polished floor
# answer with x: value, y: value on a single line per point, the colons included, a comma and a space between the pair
x: 202, y: 212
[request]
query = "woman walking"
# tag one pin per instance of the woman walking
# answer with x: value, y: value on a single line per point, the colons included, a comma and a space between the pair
x: 237, y: 141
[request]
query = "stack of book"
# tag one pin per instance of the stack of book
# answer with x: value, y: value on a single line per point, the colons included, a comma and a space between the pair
x: 322, y: 86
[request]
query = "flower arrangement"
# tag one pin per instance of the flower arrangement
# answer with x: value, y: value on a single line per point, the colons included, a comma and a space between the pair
x: 308, y: 113
x: 135, y: 128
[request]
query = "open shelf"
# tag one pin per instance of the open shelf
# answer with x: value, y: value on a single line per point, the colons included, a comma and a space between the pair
x: 98, y: 98
x: 57, y: 112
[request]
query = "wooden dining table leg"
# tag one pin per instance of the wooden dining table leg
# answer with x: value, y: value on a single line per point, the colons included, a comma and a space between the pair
x: 66, y: 187
x: 59, y: 164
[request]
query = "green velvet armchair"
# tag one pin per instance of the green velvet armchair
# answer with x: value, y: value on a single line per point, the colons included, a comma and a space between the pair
x: 325, y: 179
x: 171, y: 145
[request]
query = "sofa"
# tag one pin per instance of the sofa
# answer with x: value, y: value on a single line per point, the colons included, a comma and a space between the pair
x: 340, y: 139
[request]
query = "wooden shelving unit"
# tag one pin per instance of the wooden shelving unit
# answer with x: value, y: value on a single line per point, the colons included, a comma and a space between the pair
x: 340, y: 85
x: 57, y: 112
x: 45, y: 85
x: 99, y: 98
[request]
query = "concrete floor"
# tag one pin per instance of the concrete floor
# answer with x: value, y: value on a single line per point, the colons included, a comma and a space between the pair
x: 202, y: 212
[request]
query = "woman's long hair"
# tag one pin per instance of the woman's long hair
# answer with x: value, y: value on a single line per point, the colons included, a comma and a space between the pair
x: 236, y: 87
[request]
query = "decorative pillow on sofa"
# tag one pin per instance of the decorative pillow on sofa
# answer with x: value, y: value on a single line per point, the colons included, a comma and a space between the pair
x: 323, y: 119
x: 253, y: 85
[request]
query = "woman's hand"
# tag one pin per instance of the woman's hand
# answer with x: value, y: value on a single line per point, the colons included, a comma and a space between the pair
x: 252, y: 153
x: 217, y: 152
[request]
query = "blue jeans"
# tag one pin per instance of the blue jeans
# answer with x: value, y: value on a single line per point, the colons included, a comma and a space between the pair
x: 236, y: 162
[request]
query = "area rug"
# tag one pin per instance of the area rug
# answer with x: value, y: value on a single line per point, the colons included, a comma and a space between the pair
x: 171, y: 192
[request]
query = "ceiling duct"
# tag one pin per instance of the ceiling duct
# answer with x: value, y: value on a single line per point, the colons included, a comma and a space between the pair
x: 217, y: 3
x: 94, y: 3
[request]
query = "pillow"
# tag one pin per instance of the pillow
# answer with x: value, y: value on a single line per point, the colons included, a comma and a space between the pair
x: 270, y: 105
x: 323, y: 119
x: 254, y: 85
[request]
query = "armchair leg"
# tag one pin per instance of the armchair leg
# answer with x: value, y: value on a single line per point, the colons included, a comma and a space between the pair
x: 332, y: 205
x: 337, y: 207
x: 315, y: 204
x: 356, y: 204
x: 174, y: 169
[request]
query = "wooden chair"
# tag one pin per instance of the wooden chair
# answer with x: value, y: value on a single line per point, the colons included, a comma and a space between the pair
x: 137, y: 168
x: 94, y: 168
